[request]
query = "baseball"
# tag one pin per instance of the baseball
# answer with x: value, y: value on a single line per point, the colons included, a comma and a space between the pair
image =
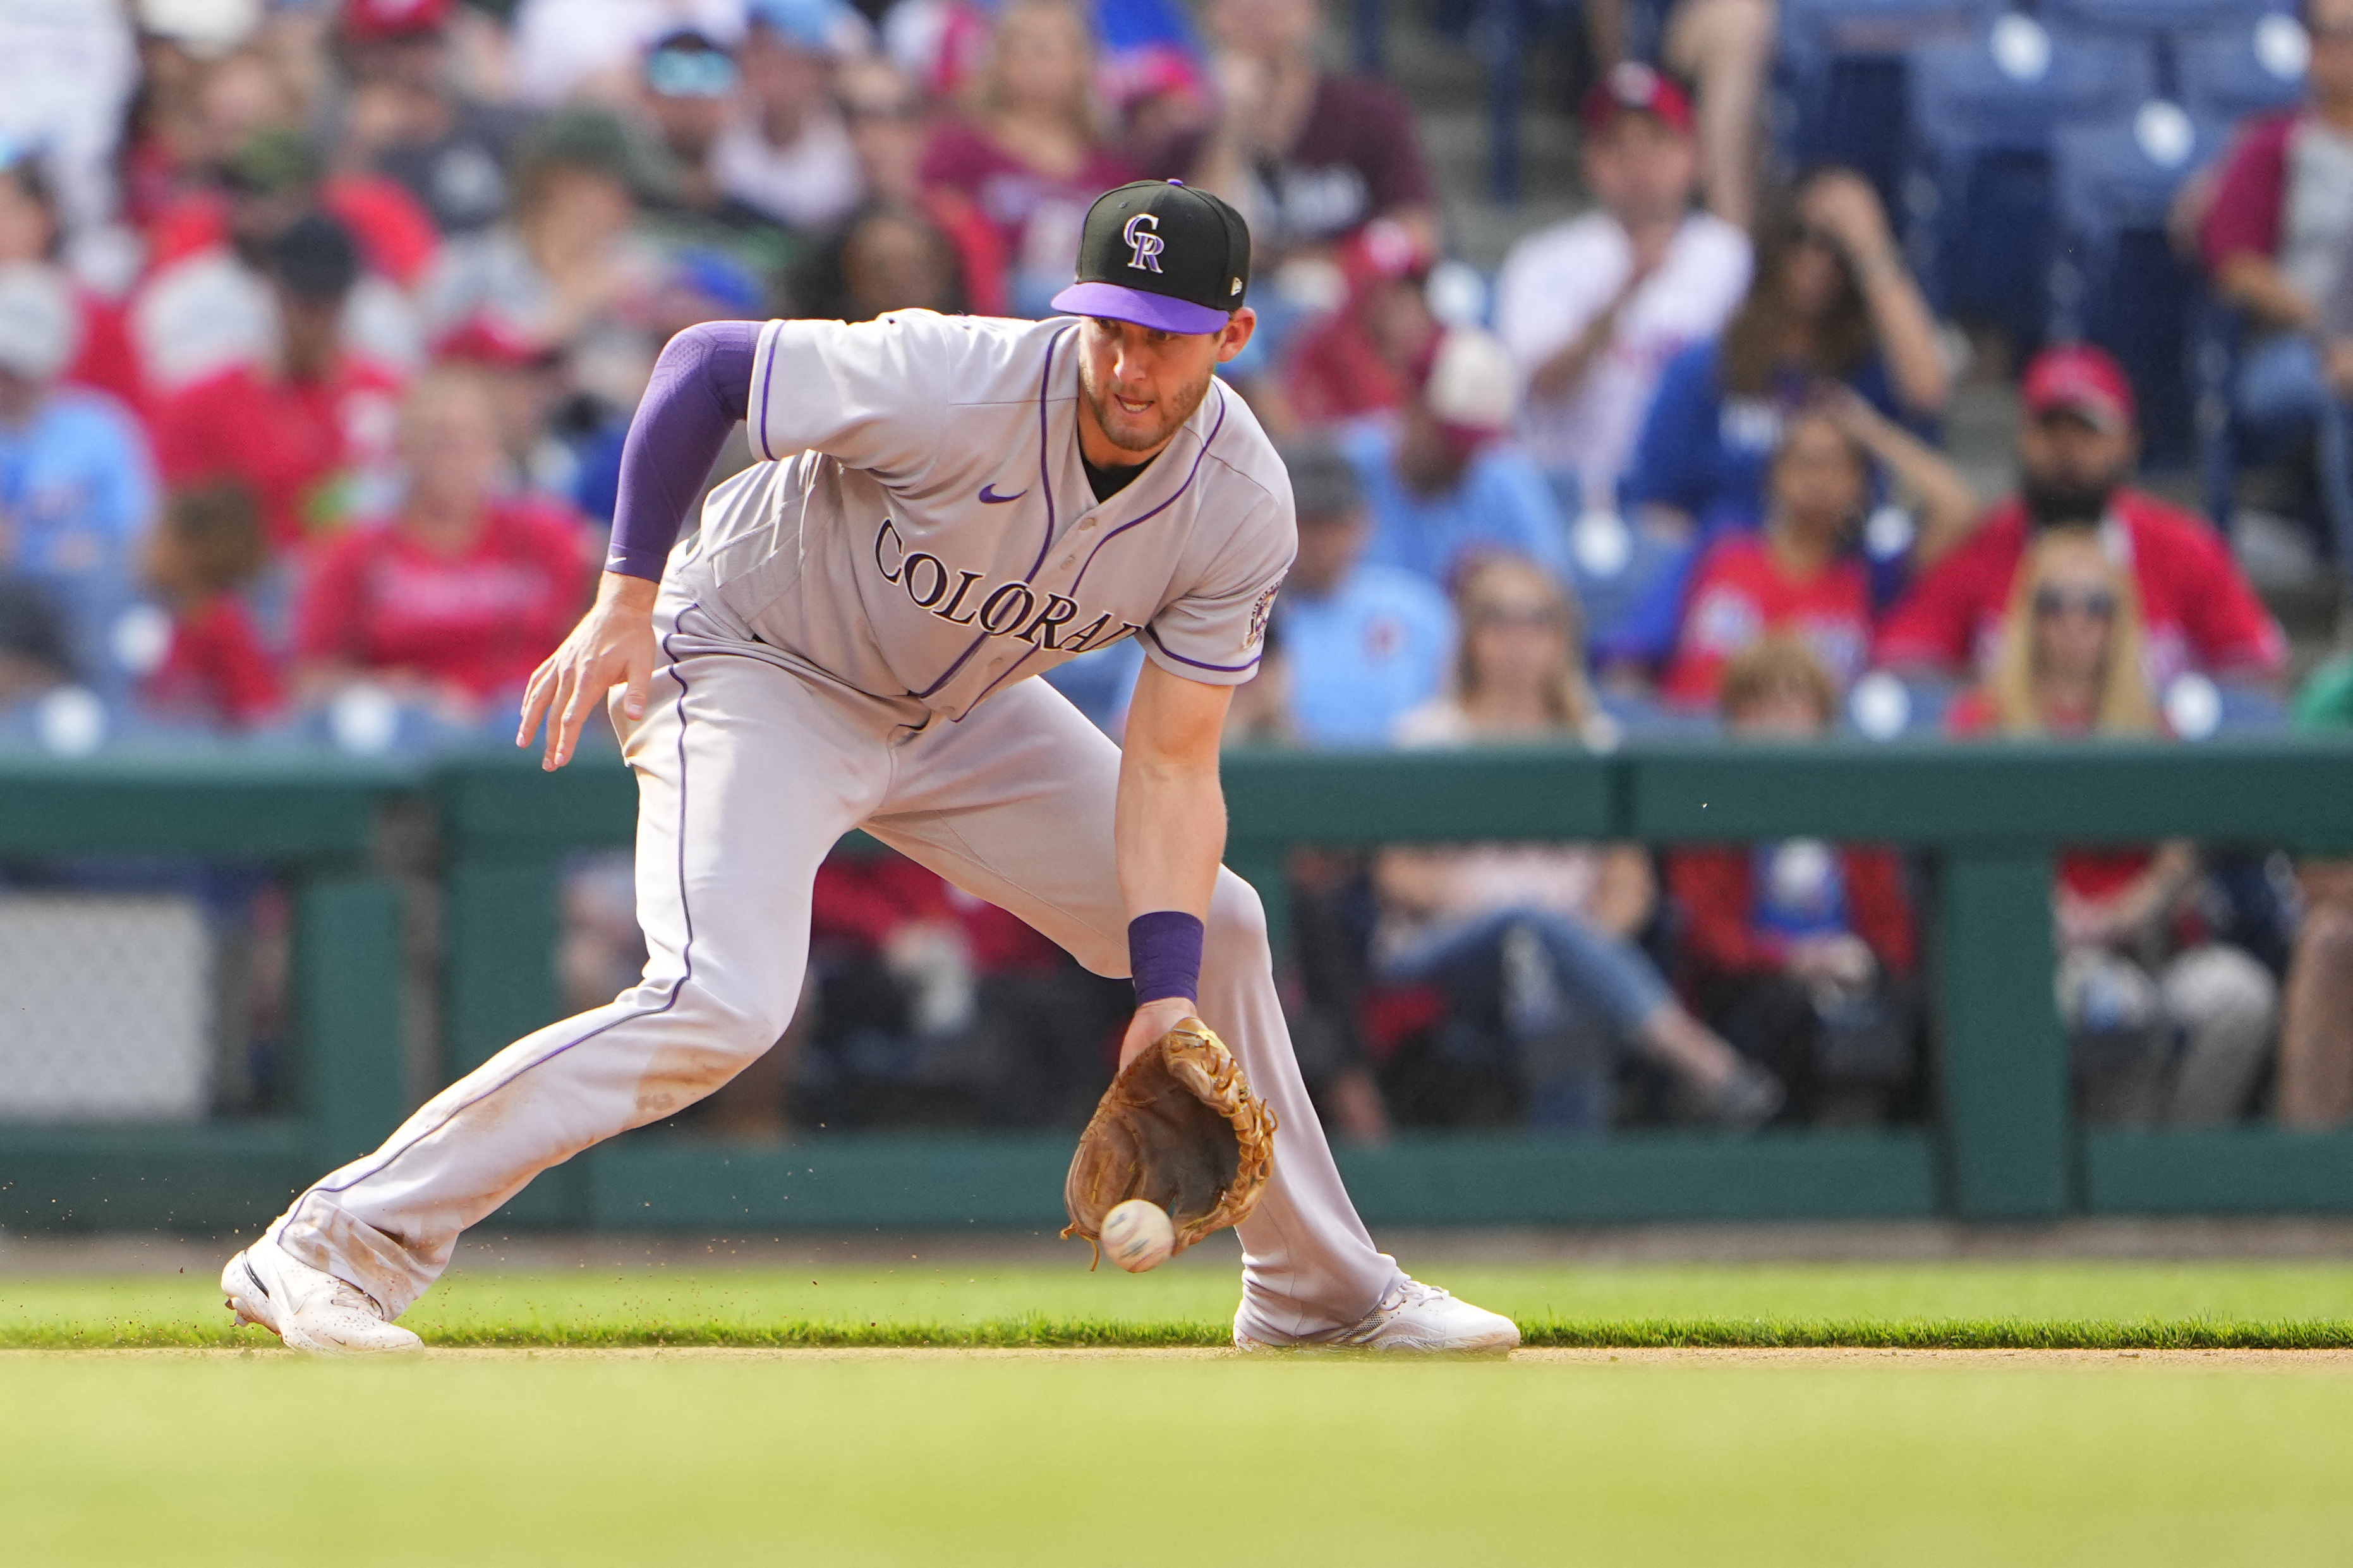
x: 1137, y: 1235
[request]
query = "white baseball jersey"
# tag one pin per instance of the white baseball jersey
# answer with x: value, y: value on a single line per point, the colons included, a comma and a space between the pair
x: 923, y: 526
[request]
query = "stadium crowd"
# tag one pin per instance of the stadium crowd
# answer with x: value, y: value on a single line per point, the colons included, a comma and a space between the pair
x: 320, y: 324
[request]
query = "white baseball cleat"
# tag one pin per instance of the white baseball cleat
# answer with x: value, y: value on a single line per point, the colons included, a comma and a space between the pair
x: 1412, y: 1317
x: 312, y: 1311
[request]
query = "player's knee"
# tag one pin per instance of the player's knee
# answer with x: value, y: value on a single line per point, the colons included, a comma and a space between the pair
x: 1237, y: 923
x: 2221, y: 990
x: 740, y: 1024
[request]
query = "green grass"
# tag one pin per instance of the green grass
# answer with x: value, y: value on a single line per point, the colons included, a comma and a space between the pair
x: 261, y: 1458
x: 1965, y: 1304
x: 668, y: 1459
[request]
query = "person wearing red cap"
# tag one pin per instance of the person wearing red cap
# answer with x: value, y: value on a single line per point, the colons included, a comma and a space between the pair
x: 1593, y: 309
x: 2077, y: 444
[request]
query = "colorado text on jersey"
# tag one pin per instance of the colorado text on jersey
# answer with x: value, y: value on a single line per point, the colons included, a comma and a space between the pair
x: 1006, y: 609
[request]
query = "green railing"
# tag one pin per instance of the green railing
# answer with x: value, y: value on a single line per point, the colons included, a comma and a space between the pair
x: 2003, y: 1144
x: 315, y: 820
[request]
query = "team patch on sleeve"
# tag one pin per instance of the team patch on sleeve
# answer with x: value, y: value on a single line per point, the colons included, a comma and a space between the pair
x: 1259, y: 610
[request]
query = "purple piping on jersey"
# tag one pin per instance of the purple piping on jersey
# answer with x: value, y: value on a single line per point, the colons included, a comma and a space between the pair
x: 1190, y: 475
x: 1046, y: 485
x: 760, y: 425
x: 1197, y: 664
x: 678, y: 986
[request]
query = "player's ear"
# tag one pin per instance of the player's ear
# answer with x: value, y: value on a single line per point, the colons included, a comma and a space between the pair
x: 1235, y: 335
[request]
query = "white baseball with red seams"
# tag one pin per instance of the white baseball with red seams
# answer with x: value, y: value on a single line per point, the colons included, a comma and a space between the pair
x: 846, y: 643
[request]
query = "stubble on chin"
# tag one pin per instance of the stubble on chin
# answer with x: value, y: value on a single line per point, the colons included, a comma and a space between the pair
x: 1120, y: 427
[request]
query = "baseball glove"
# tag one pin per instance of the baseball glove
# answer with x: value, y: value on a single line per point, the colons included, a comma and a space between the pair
x: 1180, y: 1127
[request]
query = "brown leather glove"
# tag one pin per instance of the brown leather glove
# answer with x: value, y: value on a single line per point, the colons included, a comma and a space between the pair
x: 1179, y: 1127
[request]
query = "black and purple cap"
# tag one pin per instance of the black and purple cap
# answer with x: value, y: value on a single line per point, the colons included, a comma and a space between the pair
x: 1161, y: 254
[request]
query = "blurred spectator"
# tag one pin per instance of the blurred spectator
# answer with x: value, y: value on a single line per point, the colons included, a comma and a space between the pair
x: 1802, y: 572
x: 1444, y: 481
x: 1829, y: 301
x: 689, y: 93
x: 565, y: 269
x: 1799, y: 577
x: 206, y: 302
x: 1363, y: 644
x: 2316, y: 1061
x: 77, y: 486
x: 526, y: 379
x: 404, y: 117
x: 1726, y: 47
x: 2133, y: 975
x: 885, y: 258
x: 885, y: 115
x: 304, y: 429
x: 67, y: 74
x: 216, y: 671
x: 588, y: 51
x: 1309, y: 158
x: 1366, y: 356
x: 30, y: 232
x: 35, y: 659
x: 2077, y: 445
x: 1260, y: 714
x: 2276, y: 239
x: 1035, y: 149
x: 1534, y: 945
x: 791, y: 157
x: 947, y: 1004
x: 1803, y: 952
x: 1593, y: 309
x: 452, y: 603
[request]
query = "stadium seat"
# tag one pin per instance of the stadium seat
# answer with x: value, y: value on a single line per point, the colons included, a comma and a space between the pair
x: 2115, y: 280
x: 1841, y: 79
x: 2246, y: 69
x: 2147, y: 18
x: 1977, y: 193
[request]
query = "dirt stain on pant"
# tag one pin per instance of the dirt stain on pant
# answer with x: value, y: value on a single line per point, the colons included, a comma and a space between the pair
x: 677, y: 1076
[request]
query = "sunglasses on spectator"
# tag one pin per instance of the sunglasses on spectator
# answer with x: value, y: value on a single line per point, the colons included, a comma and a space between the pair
x: 2342, y: 33
x: 2097, y: 602
x: 690, y: 73
x: 1523, y: 617
x: 1816, y: 236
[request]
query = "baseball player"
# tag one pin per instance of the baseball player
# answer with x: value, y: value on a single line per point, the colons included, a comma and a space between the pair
x: 946, y: 506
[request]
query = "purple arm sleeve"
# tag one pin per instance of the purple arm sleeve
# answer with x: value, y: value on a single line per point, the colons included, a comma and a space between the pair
x: 702, y: 385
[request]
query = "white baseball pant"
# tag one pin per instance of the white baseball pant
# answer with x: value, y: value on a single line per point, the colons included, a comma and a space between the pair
x: 750, y: 766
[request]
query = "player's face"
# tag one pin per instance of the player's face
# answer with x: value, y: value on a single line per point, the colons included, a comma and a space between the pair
x: 1142, y: 383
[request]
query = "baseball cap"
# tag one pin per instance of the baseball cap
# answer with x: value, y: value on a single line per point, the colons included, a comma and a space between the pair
x: 495, y: 343
x: 1324, y: 483
x: 315, y: 258
x: 2077, y: 378
x: 1161, y: 254
x: 37, y: 327
x: 819, y: 27
x: 380, y: 21
x: 687, y: 64
x: 1633, y: 88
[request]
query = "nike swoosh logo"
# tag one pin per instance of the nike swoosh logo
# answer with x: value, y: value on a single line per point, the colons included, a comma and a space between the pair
x: 989, y: 496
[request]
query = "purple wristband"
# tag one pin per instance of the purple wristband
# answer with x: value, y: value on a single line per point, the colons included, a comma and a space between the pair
x: 1164, y: 954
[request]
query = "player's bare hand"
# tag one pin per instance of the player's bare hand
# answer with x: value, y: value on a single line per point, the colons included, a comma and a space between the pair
x: 612, y: 645
x: 1153, y: 1020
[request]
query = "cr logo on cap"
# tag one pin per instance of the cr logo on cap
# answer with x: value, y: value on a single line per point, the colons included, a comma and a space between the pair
x: 1144, y: 245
